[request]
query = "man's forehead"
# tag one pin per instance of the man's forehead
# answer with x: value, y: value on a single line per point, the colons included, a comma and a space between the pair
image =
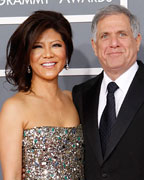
x: 116, y: 22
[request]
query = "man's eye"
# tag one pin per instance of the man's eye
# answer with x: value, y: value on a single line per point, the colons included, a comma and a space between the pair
x: 104, y: 36
x: 122, y: 34
x: 57, y: 45
x: 37, y: 46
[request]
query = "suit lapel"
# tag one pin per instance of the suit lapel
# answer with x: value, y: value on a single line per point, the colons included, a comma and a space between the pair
x: 131, y: 104
x: 90, y: 107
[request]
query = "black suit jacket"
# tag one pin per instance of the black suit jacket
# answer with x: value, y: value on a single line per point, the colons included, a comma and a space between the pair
x: 124, y: 158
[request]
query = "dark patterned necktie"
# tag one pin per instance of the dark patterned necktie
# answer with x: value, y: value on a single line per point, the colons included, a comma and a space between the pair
x: 108, y: 117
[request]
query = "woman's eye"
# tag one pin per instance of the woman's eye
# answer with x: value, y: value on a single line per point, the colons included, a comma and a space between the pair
x: 57, y: 45
x: 37, y: 46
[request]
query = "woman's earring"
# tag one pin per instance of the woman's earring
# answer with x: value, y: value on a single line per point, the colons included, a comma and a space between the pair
x: 67, y: 65
x: 28, y: 69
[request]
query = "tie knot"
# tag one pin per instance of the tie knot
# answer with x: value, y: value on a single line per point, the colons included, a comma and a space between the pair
x: 112, y: 87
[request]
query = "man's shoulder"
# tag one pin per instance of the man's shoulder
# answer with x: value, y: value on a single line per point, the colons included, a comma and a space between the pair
x: 87, y: 84
x: 140, y: 64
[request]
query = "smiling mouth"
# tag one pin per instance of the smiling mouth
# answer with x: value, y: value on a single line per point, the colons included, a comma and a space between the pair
x: 115, y: 53
x: 48, y: 64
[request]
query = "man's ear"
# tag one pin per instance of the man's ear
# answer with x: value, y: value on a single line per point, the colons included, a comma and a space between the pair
x: 138, y: 41
x: 94, y: 46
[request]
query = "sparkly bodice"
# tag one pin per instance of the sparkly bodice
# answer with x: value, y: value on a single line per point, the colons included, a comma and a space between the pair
x: 53, y: 153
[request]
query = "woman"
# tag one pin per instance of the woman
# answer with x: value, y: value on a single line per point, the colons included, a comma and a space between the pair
x: 39, y: 125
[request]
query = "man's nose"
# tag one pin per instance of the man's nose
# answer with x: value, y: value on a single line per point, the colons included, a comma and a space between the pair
x: 114, y: 42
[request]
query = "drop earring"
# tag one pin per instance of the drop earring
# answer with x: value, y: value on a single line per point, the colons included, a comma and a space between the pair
x: 67, y: 65
x: 28, y: 69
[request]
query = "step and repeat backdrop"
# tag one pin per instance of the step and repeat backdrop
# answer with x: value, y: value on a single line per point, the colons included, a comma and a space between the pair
x: 84, y: 64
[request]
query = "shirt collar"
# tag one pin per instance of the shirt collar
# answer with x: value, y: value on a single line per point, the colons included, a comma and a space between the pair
x: 124, y: 80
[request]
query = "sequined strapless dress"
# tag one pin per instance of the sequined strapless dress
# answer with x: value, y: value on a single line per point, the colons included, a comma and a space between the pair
x: 53, y: 153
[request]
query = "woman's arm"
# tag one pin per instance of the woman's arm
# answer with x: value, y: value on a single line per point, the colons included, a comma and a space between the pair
x: 11, y: 133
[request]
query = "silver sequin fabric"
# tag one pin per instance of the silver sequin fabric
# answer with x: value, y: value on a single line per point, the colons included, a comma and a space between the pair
x: 53, y: 153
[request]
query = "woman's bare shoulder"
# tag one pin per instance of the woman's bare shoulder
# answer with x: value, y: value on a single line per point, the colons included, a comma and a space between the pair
x: 13, y: 104
x: 11, y: 114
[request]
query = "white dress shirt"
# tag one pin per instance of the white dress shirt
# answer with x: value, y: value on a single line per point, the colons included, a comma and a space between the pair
x: 124, y: 82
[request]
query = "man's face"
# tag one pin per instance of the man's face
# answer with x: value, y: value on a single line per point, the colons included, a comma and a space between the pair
x: 115, y: 46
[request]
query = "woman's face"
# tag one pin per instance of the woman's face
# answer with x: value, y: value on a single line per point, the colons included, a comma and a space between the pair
x: 48, y: 55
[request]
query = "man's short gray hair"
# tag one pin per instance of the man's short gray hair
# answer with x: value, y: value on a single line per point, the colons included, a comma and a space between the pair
x: 113, y: 10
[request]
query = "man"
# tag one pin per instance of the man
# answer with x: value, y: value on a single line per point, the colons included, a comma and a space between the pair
x: 117, y: 152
